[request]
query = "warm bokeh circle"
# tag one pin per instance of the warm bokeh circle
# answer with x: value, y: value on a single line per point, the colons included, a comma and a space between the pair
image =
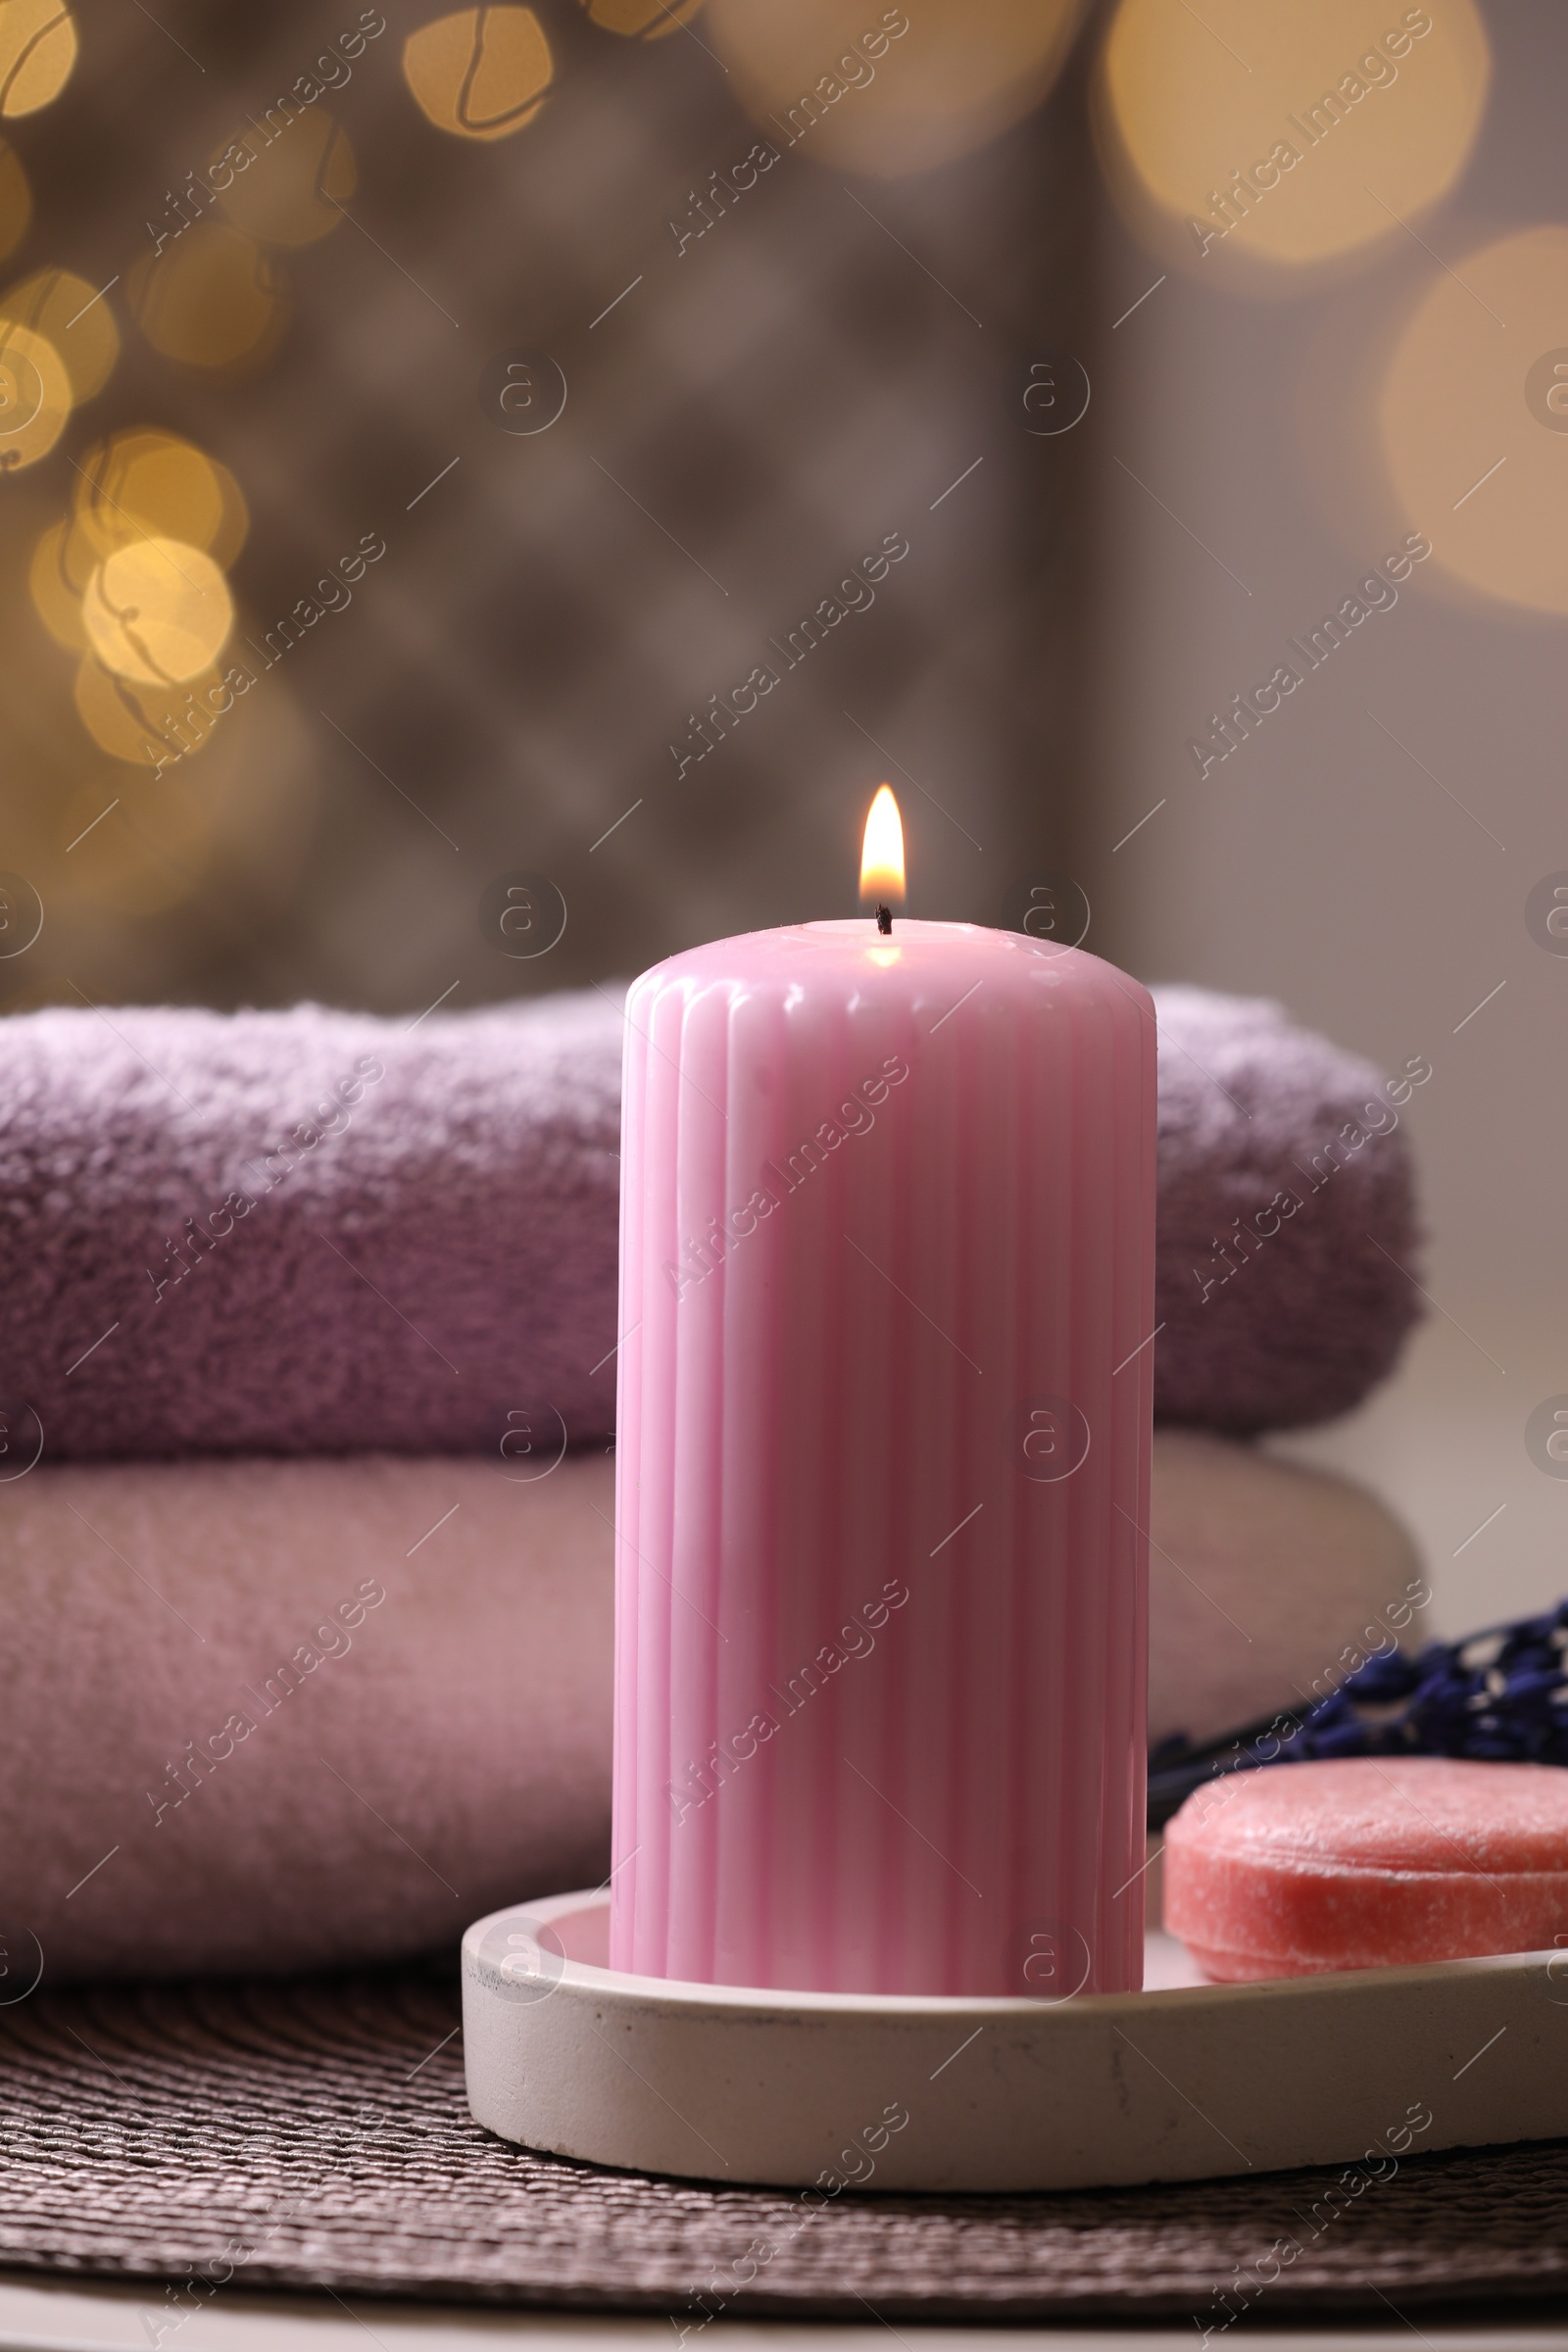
x: 1286, y: 136
x: 888, y: 91
x: 1471, y: 419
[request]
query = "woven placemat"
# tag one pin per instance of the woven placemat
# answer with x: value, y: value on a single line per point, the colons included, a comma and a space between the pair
x: 313, y: 2132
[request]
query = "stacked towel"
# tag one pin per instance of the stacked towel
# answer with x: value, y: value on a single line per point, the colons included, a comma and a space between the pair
x: 1268, y: 1584
x: 271, y: 1713
x: 310, y: 1232
x: 332, y: 1676
x: 266, y: 1713
x: 316, y: 1232
x: 1286, y: 1226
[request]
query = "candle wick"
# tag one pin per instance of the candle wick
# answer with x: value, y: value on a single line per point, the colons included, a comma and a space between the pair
x: 884, y: 922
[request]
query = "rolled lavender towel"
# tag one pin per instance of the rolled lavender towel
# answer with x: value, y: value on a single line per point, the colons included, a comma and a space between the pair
x: 315, y: 1231
x: 1286, y: 1225
x: 284, y: 1714
x: 310, y: 1231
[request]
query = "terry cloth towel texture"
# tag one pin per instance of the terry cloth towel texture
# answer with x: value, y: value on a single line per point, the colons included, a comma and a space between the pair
x: 219, y: 1750
x: 315, y: 2133
x: 314, y: 1232
x: 309, y: 1232
x: 1286, y: 1226
x: 1268, y: 1584
x: 263, y: 1714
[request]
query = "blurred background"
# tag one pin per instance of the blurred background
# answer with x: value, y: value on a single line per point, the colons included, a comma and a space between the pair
x: 489, y: 495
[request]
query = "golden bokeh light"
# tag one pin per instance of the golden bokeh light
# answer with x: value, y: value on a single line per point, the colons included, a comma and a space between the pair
x: 35, y: 396
x: 240, y: 818
x: 210, y: 298
x: 147, y: 724
x: 1474, y: 419
x: 893, y: 90
x: 15, y: 200
x: 158, y: 612
x: 57, y: 590
x: 481, y: 73
x: 37, y: 50
x: 146, y: 483
x: 298, y: 178
x: 641, y: 20
x: 1244, y: 140
x: 69, y: 313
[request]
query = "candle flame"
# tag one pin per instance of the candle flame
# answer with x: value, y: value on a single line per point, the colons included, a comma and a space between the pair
x: 882, y: 857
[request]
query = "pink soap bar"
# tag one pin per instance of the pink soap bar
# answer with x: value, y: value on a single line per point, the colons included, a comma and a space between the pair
x: 1368, y: 1863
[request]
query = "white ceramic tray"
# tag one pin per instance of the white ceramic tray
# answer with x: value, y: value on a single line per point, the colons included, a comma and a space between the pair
x: 1181, y: 2082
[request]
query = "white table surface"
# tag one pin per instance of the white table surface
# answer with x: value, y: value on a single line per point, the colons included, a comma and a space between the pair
x: 46, y: 2315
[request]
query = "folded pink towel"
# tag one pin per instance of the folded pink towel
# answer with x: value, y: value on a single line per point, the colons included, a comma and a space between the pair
x: 269, y: 1714
x: 1268, y: 1584
x: 281, y: 1714
x: 310, y: 1231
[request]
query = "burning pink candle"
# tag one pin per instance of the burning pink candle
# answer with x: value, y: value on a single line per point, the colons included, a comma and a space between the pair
x: 887, y: 1273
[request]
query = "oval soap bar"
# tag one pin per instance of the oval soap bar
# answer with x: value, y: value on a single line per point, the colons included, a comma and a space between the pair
x: 1368, y: 1862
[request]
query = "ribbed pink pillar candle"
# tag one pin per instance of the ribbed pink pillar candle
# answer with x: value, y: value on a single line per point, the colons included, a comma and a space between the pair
x: 887, y: 1273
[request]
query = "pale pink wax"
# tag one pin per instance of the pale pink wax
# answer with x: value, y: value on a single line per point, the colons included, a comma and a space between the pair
x: 887, y: 1253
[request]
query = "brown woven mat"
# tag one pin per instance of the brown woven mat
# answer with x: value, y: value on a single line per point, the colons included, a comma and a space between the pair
x: 313, y: 2132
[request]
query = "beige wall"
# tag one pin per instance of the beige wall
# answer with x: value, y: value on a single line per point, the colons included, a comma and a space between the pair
x: 1321, y: 863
